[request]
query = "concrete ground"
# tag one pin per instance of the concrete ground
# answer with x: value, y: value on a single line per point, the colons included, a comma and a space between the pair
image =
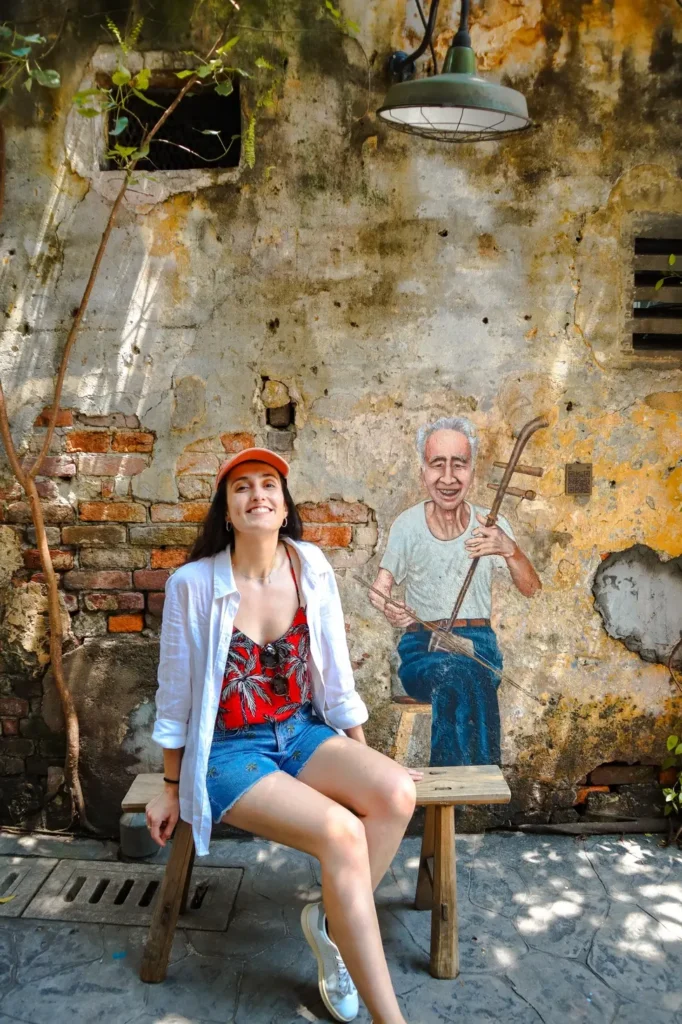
x: 551, y: 930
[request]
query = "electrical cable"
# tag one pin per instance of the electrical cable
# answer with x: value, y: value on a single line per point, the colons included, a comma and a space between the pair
x: 425, y: 24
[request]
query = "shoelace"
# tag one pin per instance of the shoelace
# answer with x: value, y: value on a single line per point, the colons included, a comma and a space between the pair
x: 346, y: 985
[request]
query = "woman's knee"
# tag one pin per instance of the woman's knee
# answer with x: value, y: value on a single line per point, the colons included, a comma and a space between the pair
x: 342, y: 834
x: 395, y: 796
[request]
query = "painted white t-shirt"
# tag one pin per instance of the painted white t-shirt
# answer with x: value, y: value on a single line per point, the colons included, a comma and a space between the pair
x: 433, y: 570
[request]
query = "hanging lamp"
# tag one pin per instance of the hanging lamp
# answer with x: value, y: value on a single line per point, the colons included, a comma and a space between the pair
x: 455, y: 105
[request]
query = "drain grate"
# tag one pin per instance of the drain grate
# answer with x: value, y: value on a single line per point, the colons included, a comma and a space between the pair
x: 20, y: 878
x: 98, y: 891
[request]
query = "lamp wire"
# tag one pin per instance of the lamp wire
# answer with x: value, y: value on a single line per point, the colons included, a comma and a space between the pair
x: 425, y: 24
x: 412, y: 57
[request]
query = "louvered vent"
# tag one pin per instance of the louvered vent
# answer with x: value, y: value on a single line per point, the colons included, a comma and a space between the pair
x: 657, y: 308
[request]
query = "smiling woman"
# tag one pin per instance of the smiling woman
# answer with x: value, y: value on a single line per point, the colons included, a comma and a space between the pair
x: 261, y: 724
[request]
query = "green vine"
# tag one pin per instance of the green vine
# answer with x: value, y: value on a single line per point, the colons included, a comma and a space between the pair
x: 18, y: 58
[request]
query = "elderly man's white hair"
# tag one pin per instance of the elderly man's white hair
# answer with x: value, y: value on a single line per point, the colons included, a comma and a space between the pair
x: 459, y: 423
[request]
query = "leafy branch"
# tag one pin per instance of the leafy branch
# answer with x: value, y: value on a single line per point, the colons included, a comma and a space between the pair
x: 17, y: 58
x: 675, y: 276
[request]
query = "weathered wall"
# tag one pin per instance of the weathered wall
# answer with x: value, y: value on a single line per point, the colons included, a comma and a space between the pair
x: 384, y: 281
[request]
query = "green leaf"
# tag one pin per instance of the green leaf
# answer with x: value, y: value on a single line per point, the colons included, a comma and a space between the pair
x: 204, y: 71
x: 28, y: 84
x: 261, y: 62
x: 78, y: 97
x: 5, y: 32
x: 352, y: 26
x: 678, y: 748
x: 87, y: 111
x: 183, y: 74
x: 33, y: 39
x: 672, y: 260
x: 672, y: 742
x: 49, y: 78
x: 121, y: 76
x: 124, y: 150
x: 668, y: 809
x: 668, y: 761
x: 120, y: 126
x: 226, y: 47
x: 152, y: 103
x: 225, y: 88
x: 659, y: 284
x: 21, y: 51
x: 141, y: 79
x: 141, y: 153
x: 6, y: 899
x: 210, y: 131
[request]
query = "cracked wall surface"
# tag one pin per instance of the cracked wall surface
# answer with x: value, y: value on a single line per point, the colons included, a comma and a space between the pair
x: 384, y: 282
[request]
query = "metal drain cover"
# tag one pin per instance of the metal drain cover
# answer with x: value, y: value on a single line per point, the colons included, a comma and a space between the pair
x: 106, y: 893
x: 20, y: 878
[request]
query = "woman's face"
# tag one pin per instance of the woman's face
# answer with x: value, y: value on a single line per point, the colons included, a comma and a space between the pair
x: 255, y: 500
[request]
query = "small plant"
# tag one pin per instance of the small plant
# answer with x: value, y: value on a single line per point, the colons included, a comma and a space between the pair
x: 18, y: 59
x: 673, y: 794
x: 343, y: 24
x: 673, y: 276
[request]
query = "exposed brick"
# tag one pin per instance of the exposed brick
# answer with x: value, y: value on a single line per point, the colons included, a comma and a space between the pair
x: 111, y: 465
x: 37, y: 440
x: 64, y: 418
x: 70, y: 602
x: 163, y: 536
x: 113, y: 511
x: 10, y: 491
x: 61, y: 466
x: 13, y: 707
x: 94, y: 536
x: 155, y: 603
x: 10, y: 726
x: 280, y: 440
x: 112, y: 419
x: 198, y: 463
x: 107, y: 489
x: 328, y: 536
x: 132, y: 441
x: 52, y: 533
x: 113, y: 558
x: 193, y: 487
x: 207, y: 444
x: 61, y: 560
x: 34, y: 726
x: 334, y: 512
x: 150, y: 579
x: 126, y: 623
x: 237, y: 442
x: 128, y: 602
x: 169, y: 558
x: 88, y: 441
x: 183, y: 512
x: 11, y: 765
x: 18, y: 746
x: 79, y: 579
x: 85, y: 624
x: 53, y: 512
x: 47, y: 489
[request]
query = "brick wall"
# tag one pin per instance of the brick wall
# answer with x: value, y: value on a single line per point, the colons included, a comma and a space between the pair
x: 114, y: 552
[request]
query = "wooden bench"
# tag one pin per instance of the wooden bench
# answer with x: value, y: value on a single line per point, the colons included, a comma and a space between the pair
x: 440, y: 791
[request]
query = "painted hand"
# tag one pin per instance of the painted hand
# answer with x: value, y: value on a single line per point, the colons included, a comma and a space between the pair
x: 489, y: 540
x: 396, y: 612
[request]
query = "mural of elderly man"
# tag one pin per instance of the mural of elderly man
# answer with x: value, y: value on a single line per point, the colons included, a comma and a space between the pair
x: 429, y: 550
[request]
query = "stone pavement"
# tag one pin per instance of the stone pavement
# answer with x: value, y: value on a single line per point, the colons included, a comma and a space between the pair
x: 551, y: 929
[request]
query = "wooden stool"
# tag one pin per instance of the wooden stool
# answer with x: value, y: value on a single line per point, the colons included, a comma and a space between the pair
x: 440, y: 791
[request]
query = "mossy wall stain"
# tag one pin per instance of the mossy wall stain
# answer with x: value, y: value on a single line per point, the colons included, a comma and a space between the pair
x: 409, y: 281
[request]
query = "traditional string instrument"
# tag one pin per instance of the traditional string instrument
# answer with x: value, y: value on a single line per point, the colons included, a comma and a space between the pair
x: 437, y: 641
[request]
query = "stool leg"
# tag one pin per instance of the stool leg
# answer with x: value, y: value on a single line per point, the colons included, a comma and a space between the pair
x: 188, y: 879
x: 444, y: 949
x: 167, y: 907
x: 424, y: 897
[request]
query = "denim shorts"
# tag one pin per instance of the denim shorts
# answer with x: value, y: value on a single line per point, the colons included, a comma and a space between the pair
x: 239, y: 758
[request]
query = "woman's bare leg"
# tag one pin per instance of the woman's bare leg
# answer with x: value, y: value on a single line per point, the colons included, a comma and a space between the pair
x: 371, y: 785
x: 287, y: 811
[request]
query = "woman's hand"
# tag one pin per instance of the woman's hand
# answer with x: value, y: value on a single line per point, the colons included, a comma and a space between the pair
x: 162, y: 815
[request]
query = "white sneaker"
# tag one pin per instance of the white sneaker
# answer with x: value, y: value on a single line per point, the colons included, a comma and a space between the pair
x: 338, y: 992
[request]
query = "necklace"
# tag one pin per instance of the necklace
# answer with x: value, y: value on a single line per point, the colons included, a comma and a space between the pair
x: 263, y: 579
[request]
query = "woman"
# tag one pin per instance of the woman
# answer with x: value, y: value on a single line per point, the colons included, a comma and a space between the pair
x: 261, y: 724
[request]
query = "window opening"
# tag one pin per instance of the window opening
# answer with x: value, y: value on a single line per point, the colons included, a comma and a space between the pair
x: 657, y: 311
x: 180, y: 144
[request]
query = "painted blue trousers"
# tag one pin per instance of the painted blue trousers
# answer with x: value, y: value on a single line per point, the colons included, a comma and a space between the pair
x: 465, y: 723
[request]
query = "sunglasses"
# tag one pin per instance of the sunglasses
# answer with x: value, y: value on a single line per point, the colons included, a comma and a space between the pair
x: 272, y: 657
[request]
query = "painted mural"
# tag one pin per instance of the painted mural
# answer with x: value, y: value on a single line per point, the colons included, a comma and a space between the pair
x: 444, y: 551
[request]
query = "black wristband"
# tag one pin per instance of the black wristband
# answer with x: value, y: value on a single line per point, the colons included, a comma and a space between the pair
x: 175, y: 782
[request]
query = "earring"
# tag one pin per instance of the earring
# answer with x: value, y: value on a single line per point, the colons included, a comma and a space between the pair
x: 228, y: 525
x: 286, y: 520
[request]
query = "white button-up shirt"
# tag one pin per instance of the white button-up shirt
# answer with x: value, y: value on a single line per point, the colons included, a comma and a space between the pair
x: 200, y: 608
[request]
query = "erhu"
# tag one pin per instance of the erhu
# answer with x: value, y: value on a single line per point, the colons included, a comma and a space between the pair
x: 437, y: 641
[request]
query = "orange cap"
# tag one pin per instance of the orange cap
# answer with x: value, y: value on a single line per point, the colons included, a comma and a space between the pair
x: 253, y: 455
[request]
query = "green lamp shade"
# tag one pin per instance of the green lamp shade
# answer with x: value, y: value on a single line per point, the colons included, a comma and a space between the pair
x: 456, y: 106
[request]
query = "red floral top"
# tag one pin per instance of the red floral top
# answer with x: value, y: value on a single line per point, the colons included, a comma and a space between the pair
x: 266, y: 682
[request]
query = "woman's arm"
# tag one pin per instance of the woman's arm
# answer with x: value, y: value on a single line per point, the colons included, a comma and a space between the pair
x: 174, y: 694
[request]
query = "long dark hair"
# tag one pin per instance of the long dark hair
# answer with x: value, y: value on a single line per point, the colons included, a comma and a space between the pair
x: 214, y: 536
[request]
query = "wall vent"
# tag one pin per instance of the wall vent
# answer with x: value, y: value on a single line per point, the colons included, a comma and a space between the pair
x: 656, y: 323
